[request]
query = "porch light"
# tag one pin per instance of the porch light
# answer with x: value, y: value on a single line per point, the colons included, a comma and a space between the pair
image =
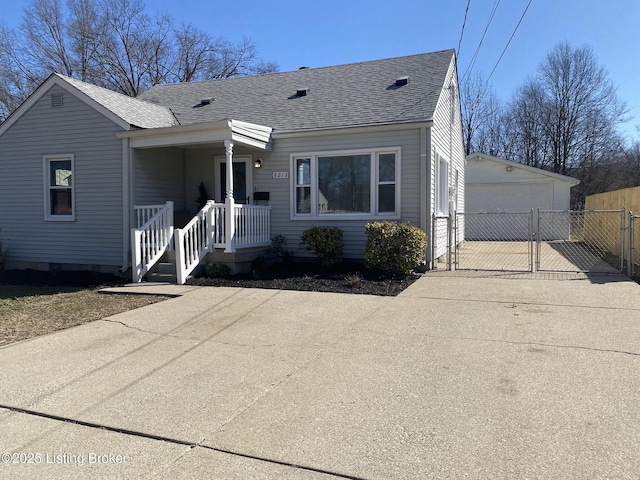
x: 258, y: 163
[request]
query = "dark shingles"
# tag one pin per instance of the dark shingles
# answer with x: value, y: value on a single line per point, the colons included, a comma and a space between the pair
x: 344, y: 95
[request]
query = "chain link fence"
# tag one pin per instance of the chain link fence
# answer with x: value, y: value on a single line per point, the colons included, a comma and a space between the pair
x: 495, y: 241
x: 553, y: 241
x: 584, y: 241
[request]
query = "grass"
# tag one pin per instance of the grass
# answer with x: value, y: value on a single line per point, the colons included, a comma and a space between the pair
x: 27, y: 311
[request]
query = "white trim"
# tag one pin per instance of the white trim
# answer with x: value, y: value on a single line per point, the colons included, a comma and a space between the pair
x: 126, y: 205
x: 46, y: 161
x: 441, y: 206
x: 374, y: 197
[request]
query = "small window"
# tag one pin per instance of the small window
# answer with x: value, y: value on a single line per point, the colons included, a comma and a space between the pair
x: 442, y: 187
x: 58, y: 180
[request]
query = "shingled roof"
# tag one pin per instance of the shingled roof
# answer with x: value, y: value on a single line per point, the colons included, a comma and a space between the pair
x: 355, y: 94
x: 135, y: 112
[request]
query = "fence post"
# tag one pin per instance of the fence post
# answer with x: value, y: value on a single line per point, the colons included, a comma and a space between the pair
x: 622, y: 223
x: 433, y: 242
x: 449, y: 242
x: 631, y: 247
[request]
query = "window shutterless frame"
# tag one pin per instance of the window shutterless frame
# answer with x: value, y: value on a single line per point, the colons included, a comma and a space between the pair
x: 346, y: 184
x: 59, y: 187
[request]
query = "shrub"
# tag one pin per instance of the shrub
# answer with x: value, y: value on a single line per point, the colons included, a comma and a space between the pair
x: 278, y: 244
x: 213, y: 270
x: 325, y: 242
x: 394, y: 248
x: 259, y: 266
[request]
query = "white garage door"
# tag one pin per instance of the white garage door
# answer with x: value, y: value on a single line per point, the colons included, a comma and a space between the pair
x: 508, y: 197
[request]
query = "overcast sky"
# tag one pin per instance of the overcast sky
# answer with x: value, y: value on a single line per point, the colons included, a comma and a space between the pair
x: 331, y: 32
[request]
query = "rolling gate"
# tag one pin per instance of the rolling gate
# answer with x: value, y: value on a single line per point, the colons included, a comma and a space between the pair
x: 590, y: 241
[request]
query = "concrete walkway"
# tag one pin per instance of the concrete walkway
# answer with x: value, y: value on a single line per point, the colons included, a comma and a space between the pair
x: 458, y: 377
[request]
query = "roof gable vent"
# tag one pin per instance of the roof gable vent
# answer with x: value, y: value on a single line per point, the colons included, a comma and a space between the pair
x: 402, y: 81
x: 302, y: 92
x: 56, y: 100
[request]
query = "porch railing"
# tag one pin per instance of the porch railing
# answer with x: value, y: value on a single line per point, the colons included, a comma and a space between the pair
x: 253, y: 225
x: 151, y: 238
x: 194, y: 241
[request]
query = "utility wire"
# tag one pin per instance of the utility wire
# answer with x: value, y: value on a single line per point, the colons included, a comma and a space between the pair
x: 475, y: 55
x: 463, y: 25
x: 511, y: 38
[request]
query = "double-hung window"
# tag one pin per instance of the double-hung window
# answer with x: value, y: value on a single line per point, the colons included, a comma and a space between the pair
x: 347, y: 184
x: 58, y: 183
x: 442, y: 186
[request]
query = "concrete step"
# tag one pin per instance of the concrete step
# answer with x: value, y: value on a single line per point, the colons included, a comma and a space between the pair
x: 162, y: 272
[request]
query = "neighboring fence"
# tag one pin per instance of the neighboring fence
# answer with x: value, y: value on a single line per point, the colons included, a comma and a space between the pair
x: 633, y: 255
x: 628, y: 199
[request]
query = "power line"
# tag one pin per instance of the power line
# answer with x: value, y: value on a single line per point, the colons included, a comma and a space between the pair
x: 463, y: 25
x: 510, y: 38
x: 475, y: 55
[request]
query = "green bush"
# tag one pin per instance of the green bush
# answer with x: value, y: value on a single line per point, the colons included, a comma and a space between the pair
x: 325, y: 242
x: 394, y: 248
x: 213, y: 270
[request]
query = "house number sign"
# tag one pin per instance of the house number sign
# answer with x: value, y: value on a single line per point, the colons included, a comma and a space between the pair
x: 280, y: 174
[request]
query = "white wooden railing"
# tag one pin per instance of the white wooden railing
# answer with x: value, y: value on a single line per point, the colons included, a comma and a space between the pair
x: 253, y: 225
x: 194, y: 241
x: 151, y: 238
x: 205, y: 232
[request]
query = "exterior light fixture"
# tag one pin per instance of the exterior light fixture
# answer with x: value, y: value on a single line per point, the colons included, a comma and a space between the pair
x: 258, y: 163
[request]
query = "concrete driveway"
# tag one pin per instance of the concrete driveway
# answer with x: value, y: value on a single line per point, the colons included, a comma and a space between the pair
x: 461, y: 376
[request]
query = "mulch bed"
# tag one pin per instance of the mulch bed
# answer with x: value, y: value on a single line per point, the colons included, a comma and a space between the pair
x: 344, y: 278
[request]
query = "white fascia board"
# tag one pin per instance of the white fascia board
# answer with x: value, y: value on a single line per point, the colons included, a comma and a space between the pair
x: 558, y: 176
x: 179, y: 135
x: 43, y: 89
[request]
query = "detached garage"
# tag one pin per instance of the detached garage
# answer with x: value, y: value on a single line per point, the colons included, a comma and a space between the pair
x: 495, y: 184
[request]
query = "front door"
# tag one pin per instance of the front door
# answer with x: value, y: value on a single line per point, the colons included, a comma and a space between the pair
x: 242, y: 179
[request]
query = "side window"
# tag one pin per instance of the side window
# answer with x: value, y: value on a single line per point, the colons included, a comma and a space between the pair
x: 442, y: 187
x: 58, y: 186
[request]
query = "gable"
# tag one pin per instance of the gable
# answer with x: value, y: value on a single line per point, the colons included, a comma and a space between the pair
x: 482, y: 168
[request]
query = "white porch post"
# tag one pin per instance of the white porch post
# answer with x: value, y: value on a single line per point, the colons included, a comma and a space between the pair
x: 230, y: 202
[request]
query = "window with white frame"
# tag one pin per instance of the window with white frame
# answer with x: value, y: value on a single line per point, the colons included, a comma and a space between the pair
x: 58, y: 183
x: 348, y: 184
x: 442, y: 186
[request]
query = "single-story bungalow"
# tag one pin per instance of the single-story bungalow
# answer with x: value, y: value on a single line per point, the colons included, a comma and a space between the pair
x: 94, y: 180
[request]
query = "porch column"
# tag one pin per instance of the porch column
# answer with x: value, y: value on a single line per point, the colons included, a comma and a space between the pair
x: 229, y: 202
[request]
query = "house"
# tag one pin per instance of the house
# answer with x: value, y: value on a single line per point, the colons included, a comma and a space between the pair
x: 91, y: 179
x: 495, y: 184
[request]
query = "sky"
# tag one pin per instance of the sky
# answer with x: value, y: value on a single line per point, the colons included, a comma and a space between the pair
x: 332, y: 32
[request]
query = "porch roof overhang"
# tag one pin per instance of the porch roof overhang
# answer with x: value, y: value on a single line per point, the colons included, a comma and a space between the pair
x: 243, y: 133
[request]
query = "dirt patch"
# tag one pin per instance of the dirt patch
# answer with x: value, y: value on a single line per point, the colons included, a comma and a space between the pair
x: 36, y: 303
x: 345, y: 278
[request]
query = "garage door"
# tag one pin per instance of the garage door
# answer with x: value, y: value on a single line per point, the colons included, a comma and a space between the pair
x: 508, y: 197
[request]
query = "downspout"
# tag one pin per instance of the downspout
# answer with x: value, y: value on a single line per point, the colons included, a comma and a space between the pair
x: 126, y: 205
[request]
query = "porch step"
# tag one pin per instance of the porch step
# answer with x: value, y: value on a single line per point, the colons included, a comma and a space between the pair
x: 162, y: 272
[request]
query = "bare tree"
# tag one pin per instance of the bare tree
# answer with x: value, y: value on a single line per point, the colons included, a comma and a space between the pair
x: 574, y: 92
x: 115, y: 44
x: 479, y: 107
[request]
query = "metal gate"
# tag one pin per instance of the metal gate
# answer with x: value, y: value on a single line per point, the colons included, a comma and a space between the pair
x: 543, y: 240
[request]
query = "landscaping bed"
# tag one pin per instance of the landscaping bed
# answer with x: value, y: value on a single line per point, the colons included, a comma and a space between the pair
x: 343, y: 278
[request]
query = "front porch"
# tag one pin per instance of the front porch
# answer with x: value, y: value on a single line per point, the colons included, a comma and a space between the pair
x: 169, y: 167
x: 215, y: 228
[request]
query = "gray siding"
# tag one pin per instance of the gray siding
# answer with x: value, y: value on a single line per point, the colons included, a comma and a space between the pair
x: 354, y: 237
x: 446, y: 140
x: 159, y: 177
x: 95, y: 237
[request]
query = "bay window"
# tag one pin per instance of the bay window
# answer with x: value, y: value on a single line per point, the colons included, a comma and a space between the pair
x: 347, y: 184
